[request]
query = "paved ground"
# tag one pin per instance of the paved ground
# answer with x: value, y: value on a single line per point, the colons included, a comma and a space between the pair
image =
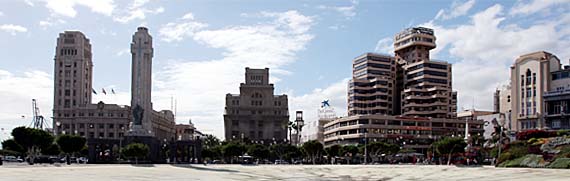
x: 274, y: 172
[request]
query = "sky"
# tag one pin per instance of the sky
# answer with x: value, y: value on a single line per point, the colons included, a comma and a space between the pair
x: 201, y: 48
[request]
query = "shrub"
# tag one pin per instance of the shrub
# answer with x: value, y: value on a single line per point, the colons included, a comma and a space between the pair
x: 526, y: 135
x: 560, y: 163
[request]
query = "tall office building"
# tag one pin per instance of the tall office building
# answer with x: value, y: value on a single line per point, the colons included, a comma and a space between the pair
x: 256, y: 113
x: 371, y: 89
x: 73, y: 73
x: 425, y: 84
x: 406, y: 98
x: 141, y: 85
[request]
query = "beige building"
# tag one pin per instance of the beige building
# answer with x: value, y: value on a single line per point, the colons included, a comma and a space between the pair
x: 408, y: 132
x: 73, y: 111
x: 256, y: 113
x: 530, y: 79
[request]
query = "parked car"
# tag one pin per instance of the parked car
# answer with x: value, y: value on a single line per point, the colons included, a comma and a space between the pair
x: 13, y: 159
x: 82, y: 160
x: 217, y: 162
x: 281, y: 162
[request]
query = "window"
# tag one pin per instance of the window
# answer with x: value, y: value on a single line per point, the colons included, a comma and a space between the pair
x: 91, y: 134
x: 81, y: 125
x: 101, y: 134
x: 533, y: 78
x: 91, y: 125
x: 556, y: 124
x: 111, y: 135
x: 101, y: 126
x: 111, y: 126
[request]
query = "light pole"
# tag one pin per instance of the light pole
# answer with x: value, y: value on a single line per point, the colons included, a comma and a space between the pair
x: 365, y: 147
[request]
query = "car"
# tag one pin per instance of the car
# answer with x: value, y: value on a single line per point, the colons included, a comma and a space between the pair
x: 13, y: 159
x: 82, y: 160
x: 217, y: 162
x: 281, y: 162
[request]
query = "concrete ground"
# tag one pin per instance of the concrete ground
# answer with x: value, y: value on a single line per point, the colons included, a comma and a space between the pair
x: 273, y: 172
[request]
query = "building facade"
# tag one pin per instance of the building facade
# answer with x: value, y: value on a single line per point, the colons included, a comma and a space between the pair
x: 530, y: 79
x: 408, y: 132
x: 557, y: 101
x: 425, y: 85
x: 106, y: 126
x: 372, y: 88
x: 256, y: 113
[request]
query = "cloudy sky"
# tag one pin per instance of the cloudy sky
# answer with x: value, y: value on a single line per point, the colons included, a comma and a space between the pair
x: 203, y: 47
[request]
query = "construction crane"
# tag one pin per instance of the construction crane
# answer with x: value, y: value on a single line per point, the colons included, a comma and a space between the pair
x: 38, y: 120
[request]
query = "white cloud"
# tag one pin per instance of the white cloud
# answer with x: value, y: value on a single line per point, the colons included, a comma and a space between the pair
x: 522, y: 8
x: 17, y: 93
x: 457, y: 9
x: 51, y: 21
x: 29, y: 2
x: 347, y: 11
x: 486, y: 46
x: 123, y: 52
x: 67, y: 7
x: 385, y: 45
x: 182, y: 28
x: 13, y: 29
x: 1, y: 13
x: 309, y: 103
x: 136, y: 10
x: 200, y: 86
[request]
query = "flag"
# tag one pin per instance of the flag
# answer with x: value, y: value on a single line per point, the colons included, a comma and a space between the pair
x: 103, y: 90
x: 113, y: 91
x: 94, y: 92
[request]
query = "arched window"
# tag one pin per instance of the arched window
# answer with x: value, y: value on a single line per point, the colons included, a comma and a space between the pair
x: 528, y: 77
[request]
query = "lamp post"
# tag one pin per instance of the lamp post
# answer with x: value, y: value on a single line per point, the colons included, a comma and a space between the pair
x: 365, y: 147
x: 299, y: 121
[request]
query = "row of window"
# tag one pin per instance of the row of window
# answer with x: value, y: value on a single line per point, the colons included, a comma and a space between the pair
x: 92, y: 125
x: 81, y: 114
x: 92, y: 134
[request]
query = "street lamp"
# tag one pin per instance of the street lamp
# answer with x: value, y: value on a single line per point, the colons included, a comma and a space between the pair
x: 365, y: 147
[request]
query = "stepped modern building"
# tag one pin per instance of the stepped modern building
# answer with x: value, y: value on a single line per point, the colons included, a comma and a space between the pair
x: 406, y: 98
x: 256, y: 113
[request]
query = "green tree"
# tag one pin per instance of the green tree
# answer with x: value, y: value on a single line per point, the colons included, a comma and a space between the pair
x: 210, y: 141
x: 70, y: 144
x: 232, y: 150
x: 333, y: 151
x: 376, y: 149
x: 53, y: 149
x: 313, y: 149
x: 212, y: 153
x: 258, y: 151
x: 449, y: 146
x: 13, y: 146
x: 349, y: 151
x: 32, y: 140
x: 136, y: 151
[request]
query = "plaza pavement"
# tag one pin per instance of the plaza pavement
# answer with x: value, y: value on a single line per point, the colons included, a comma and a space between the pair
x: 273, y: 172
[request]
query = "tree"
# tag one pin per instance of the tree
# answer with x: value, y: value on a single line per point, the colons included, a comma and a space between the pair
x: 13, y: 146
x: 53, y: 149
x: 32, y: 140
x: 449, y: 146
x: 350, y: 151
x: 136, y: 151
x: 212, y: 153
x: 258, y: 151
x: 313, y: 149
x: 333, y: 151
x: 70, y: 144
x: 232, y: 150
x: 211, y: 141
x: 376, y: 149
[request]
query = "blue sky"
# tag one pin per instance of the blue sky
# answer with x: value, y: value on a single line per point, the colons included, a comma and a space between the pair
x: 202, y: 47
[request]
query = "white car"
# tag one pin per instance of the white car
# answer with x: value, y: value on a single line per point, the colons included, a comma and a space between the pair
x: 13, y: 159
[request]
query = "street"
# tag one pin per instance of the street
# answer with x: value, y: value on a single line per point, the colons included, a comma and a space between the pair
x: 273, y: 172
